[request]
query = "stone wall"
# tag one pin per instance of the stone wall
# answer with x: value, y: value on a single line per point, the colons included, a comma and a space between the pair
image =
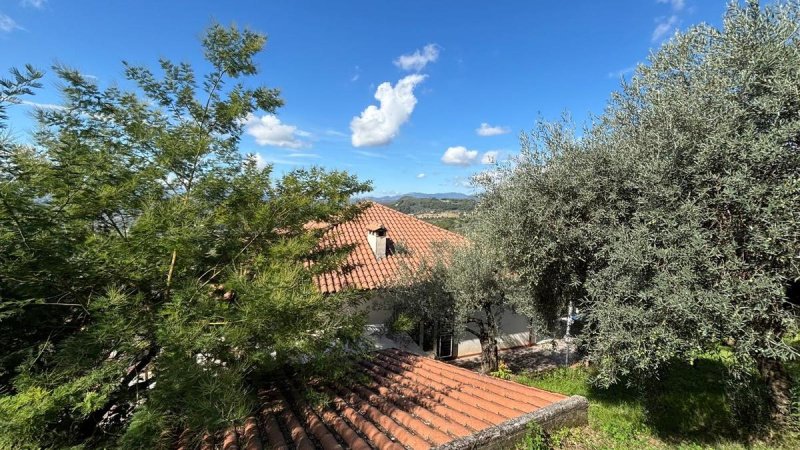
x: 570, y: 412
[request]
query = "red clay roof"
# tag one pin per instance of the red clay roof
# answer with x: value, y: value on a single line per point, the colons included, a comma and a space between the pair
x: 403, y: 401
x: 362, y: 270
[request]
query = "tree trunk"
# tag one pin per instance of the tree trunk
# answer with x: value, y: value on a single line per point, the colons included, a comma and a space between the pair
x: 779, y: 387
x: 489, y: 351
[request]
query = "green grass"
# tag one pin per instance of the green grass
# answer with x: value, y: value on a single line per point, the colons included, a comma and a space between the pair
x: 686, y: 409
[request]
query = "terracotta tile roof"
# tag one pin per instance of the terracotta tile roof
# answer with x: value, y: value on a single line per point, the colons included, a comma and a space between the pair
x: 402, y: 401
x: 362, y: 270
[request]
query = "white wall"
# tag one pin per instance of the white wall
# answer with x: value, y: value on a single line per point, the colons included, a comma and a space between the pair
x: 513, y: 327
x: 514, y: 333
x: 377, y: 311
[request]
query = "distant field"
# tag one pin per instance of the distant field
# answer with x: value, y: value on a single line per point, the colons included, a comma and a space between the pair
x: 444, y: 213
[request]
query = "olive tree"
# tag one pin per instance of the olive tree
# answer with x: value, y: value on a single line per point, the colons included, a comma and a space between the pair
x: 672, y: 219
x: 466, y: 286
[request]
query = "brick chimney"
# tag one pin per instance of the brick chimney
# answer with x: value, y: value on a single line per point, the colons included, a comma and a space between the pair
x: 376, y: 236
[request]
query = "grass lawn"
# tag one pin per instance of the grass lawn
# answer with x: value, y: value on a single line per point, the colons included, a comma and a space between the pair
x: 688, y: 411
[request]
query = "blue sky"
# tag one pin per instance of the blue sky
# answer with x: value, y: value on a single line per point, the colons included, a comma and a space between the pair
x: 441, y: 69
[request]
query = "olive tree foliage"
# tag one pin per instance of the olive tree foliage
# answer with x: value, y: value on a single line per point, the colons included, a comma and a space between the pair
x: 420, y: 293
x: 463, y: 286
x: 148, y: 272
x: 673, y: 220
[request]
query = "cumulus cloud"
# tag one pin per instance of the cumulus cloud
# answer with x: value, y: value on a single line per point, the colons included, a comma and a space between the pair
x: 7, y: 24
x: 419, y: 59
x: 260, y: 161
x: 490, y: 157
x: 459, y: 156
x: 488, y: 130
x: 420, y: 175
x: 269, y: 130
x: 379, y: 125
x: 664, y: 26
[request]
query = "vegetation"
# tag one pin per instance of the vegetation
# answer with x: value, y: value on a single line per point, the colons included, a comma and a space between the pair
x: 672, y: 221
x: 462, y: 288
x: 414, y: 206
x: 688, y: 409
x: 446, y: 213
x: 148, y: 272
x: 454, y: 224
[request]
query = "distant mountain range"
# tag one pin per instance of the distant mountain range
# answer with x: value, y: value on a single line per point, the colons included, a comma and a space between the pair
x: 441, y: 195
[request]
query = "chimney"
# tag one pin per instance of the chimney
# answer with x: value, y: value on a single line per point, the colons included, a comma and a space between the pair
x: 376, y: 236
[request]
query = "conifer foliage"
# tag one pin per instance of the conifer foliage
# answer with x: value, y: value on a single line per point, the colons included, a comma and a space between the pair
x: 148, y: 272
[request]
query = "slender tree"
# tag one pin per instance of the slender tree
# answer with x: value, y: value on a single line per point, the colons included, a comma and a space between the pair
x: 465, y: 287
x: 148, y: 272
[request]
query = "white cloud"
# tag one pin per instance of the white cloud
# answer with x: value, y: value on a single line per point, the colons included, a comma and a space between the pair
x: 459, y: 156
x: 357, y: 75
x: 622, y: 72
x: 664, y: 26
x: 42, y: 105
x: 268, y: 130
x: 490, y: 157
x: 379, y: 125
x: 419, y: 59
x: 488, y: 130
x: 335, y: 133
x: 38, y: 4
x: 370, y: 154
x: 7, y: 24
x: 420, y: 175
x: 677, y: 5
x: 260, y: 161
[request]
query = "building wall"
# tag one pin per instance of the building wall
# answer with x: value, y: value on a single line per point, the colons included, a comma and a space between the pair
x: 514, y: 333
x: 377, y: 310
x: 514, y: 329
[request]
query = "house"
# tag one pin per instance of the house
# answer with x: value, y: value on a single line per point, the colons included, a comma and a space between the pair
x: 382, y: 241
x: 396, y: 399
x: 400, y: 401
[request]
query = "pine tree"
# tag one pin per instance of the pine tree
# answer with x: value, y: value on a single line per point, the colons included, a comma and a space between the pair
x: 148, y: 272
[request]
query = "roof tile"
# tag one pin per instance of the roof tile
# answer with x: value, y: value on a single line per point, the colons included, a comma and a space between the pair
x: 402, y: 401
x: 361, y: 270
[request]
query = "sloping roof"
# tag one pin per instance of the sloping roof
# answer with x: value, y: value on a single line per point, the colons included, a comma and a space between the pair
x: 401, y: 401
x: 361, y: 270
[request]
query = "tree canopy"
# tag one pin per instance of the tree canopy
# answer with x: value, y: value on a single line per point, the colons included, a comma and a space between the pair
x: 149, y: 272
x: 672, y: 219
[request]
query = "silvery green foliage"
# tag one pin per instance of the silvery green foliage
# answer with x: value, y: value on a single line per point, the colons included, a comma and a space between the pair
x: 674, y: 219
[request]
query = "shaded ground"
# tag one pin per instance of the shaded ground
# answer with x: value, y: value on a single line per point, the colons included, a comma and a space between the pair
x: 543, y: 356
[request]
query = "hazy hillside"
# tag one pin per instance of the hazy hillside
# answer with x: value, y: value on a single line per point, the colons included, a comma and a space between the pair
x: 387, y: 199
x: 416, y: 206
x: 443, y: 212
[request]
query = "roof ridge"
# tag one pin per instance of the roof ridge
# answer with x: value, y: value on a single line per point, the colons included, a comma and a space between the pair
x: 418, y: 219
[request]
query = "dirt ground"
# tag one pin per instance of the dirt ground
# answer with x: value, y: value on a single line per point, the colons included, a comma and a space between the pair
x: 542, y: 356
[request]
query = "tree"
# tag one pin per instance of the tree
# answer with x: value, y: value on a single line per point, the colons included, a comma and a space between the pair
x: 466, y: 287
x: 482, y: 292
x: 148, y: 272
x: 672, y: 220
